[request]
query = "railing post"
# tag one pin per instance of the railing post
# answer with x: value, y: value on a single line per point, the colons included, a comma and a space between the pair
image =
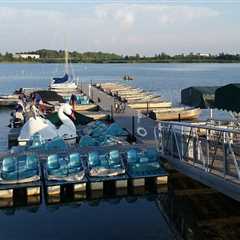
x: 171, y: 141
x: 133, y: 128
x: 182, y: 145
x: 194, y: 147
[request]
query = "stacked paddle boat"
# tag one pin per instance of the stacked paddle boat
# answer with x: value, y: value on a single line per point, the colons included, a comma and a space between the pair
x: 148, y: 103
x: 101, y: 134
x: 137, y: 98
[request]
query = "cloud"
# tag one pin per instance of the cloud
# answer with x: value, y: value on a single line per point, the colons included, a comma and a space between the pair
x: 122, y: 28
x: 126, y: 15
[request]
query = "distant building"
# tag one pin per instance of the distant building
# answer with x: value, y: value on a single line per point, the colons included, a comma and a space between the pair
x: 204, y: 54
x: 27, y: 55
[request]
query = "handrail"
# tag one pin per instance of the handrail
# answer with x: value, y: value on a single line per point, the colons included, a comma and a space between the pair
x: 191, y: 125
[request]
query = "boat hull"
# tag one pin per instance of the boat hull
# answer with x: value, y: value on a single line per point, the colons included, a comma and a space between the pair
x: 85, y: 107
x: 71, y: 140
x: 186, y: 114
x: 149, y: 105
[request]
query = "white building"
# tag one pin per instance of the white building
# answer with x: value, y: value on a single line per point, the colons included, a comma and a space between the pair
x: 204, y: 54
x: 26, y: 55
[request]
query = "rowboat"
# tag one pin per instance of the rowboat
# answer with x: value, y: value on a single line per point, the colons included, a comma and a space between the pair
x: 144, y: 99
x: 150, y: 105
x: 7, y: 102
x: 173, y: 114
x: 85, y: 107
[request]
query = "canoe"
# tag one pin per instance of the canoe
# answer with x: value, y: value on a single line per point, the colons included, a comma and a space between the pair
x: 150, y: 105
x: 128, y: 90
x: 8, y: 102
x: 85, y: 107
x: 174, y: 114
x: 144, y: 99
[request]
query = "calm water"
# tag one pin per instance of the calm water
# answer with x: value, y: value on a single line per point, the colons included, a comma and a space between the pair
x: 195, y: 211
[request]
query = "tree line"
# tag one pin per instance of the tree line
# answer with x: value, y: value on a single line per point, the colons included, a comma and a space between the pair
x: 54, y: 56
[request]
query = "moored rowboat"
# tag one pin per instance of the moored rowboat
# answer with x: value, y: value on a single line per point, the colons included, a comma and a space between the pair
x: 173, y: 114
x: 149, y: 105
x: 85, y: 107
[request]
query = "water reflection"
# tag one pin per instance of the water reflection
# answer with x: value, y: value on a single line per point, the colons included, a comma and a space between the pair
x: 190, y: 210
x: 198, y: 212
x: 29, y: 204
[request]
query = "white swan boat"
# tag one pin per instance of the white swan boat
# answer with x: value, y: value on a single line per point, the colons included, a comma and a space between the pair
x: 47, y: 130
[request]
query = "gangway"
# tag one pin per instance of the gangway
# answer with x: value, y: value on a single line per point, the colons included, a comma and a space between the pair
x: 208, y: 154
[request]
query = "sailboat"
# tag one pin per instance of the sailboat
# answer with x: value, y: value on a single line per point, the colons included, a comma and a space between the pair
x: 67, y: 83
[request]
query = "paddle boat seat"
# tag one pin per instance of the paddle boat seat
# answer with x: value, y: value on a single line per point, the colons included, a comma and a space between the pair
x: 115, y: 159
x: 74, y: 164
x: 56, y: 166
x: 93, y: 159
x: 132, y: 156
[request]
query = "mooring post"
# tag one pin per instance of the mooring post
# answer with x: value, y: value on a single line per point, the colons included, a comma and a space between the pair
x: 179, y: 117
x: 91, y: 90
x: 147, y: 107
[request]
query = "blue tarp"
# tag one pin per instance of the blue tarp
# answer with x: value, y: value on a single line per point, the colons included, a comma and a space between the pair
x: 61, y: 80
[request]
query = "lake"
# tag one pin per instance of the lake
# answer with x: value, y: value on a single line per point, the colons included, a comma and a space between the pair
x: 185, y: 208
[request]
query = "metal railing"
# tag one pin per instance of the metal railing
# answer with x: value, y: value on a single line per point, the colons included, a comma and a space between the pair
x: 216, y: 150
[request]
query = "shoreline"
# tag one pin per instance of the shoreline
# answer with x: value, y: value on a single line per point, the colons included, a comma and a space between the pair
x: 120, y: 62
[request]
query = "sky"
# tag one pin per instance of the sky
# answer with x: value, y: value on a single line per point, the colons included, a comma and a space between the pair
x: 123, y: 27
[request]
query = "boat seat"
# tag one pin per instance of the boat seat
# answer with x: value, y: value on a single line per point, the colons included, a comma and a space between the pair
x: 132, y: 156
x: 9, y: 164
x: 32, y: 162
x: 151, y: 154
x: 56, y: 143
x: 53, y: 162
x: 74, y: 160
x: 57, y: 166
x: 104, y: 160
x: 87, y: 141
x: 114, y: 159
x: 93, y: 159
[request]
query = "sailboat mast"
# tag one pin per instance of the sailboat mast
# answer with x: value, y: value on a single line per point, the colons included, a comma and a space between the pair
x: 66, y: 61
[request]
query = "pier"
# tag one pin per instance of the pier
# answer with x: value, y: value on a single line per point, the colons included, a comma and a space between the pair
x: 207, y: 154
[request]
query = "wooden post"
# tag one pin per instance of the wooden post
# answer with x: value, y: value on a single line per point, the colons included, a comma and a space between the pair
x: 179, y: 117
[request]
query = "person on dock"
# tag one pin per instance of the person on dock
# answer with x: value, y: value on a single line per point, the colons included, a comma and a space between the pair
x: 116, y: 107
x: 39, y: 102
x: 73, y: 101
